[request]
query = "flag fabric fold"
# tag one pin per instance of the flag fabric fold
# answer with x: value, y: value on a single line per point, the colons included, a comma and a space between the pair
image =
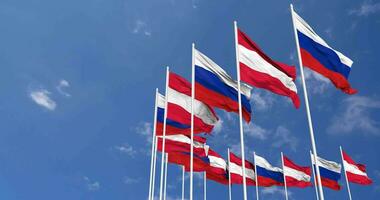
x: 216, y: 88
x: 217, y: 169
x: 355, y: 172
x: 317, y: 55
x: 235, y: 168
x: 295, y: 175
x: 268, y: 175
x: 259, y: 70
x: 330, y: 172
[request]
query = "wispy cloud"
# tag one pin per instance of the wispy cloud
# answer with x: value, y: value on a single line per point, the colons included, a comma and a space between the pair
x: 140, y: 27
x: 130, y: 180
x: 262, y: 100
x: 91, y: 185
x: 365, y: 9
x: 283, y: 137
x: 126, y: 149
x: 316, y: 83
x: 145, y: 129
x: 356, y: 115
x: 42, y: 98
x: 256, y: 131
x: 275, y: 190
x: 61, y: 86
x: 218, y: 126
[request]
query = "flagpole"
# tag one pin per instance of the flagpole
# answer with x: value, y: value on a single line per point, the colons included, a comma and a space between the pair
x: 240, y: 113
x: 154, y: 166
x: 345, y: 173
x: 314, y: 148
x: 153, y: 146
x: 314, y: 177
x: 164, y: 132
x: 192, y: 121
x: 229, y: 176
x: 256, y: 177
x: 283, y: 172
x: 204, y: 186
x: 183, y: 182
x: 166, y: 174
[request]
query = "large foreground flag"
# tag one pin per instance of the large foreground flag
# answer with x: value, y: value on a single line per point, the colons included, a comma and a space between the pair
x: 236, y: 170
x: 217, y: 89
x: 317, y: 55
x: 268, y: 175
x: 295, y: 175
x: 217, y: 169
x: 355, y: 172
x: 179, y: 107
x: 259, y: 70
x: 330, y: 172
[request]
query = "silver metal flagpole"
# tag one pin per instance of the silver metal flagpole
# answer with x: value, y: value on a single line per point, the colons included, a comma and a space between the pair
x: 166, y: 174
x: 314, y: 148
x: 183, y: 182
x: 154, y: 167
x: 164, y: 132
x: 192, y: 121
x: 314, y: 177
x: 205, y: 186
x: 283, y: 172
x: 240, y: 112
x: 256, y: 176
x: 345, y: 173
x: 229, y: 176
x: 153, y: 146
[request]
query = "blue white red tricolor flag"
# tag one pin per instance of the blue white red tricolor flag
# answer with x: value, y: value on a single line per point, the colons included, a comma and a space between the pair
x: 236, y: 170
x: 216, y: 88
x: 330, y: 172
x: 268, y: 175
x: 356, y: 173
x: 295, y: 175
x: 217, y: 169
x: 317, y: 55
x: 259, y: 70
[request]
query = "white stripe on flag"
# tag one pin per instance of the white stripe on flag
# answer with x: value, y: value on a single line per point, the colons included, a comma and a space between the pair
x: 161, y: 101
x: 183, y: 139
x: 217, y: 162
x: 330, y: 165
x: 254, y: 61
x: 353, y: 169
x: 261, y: 162
x: 236, y: 169
x: 298, y: 175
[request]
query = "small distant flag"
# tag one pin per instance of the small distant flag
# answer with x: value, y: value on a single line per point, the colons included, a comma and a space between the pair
x: 236, y: 170
x: 329, y: 171
x: 216, y: 88
x: 355, y: 172
x: 217, y: 169
x: 268, y: 175
x: 295, y: 175
x: 317, y: 55
x: 259, y: 70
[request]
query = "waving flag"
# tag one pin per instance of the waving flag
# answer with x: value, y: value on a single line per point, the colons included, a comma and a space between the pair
x: 216, y: 171
x: 317, y: 55
x: 259, y: 70
x: 295, y: 175
x: 330, y: 173
x: 356, y: 173
x: 236, y: 170
x: 268, y: 175
x: 217, y: 89
x: 179, y: 108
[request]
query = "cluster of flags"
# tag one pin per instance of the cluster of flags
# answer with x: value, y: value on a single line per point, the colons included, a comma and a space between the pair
x: 187, y: 108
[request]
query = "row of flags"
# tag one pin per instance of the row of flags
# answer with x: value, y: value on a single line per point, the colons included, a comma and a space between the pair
x: 188, y: 109
x: 259, y: 172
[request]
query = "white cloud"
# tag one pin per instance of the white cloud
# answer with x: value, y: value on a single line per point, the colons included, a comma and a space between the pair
x: 145, y: 129
x: 366, y: 8
x: 91, y: 185
x: 283, y: 137
x: 315, y: 82
x: 262, y: 100
x: 356, y: 115
x: 256, y: 131
x: 41, y: 97
x: 126, y: 149
x: 141, y: 27
x: 60, y: 87
x: 218, y: 126
x: 275, y: 190
x: 130, y: 180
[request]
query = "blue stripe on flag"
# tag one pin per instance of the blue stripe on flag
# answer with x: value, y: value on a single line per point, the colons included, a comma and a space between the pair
x: 277, y: 176
x: 160, y: 118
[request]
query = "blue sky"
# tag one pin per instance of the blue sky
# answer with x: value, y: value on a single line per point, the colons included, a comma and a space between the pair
x: 77, y: 88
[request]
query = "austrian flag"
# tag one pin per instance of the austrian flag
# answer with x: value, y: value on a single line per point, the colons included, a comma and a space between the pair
x: 356, y: 173
x: 295, y: 175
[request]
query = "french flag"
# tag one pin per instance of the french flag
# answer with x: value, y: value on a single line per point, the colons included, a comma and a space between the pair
x: 216, y: 88
x: 268, y: 175
x: 317, y: 55
x: 235, y: 168
x: 295, y: 175
x: 330, y: 173
x: 179, y: 108
x: 259, y: 70
x: 217, y: 169
x: 356, y: 173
